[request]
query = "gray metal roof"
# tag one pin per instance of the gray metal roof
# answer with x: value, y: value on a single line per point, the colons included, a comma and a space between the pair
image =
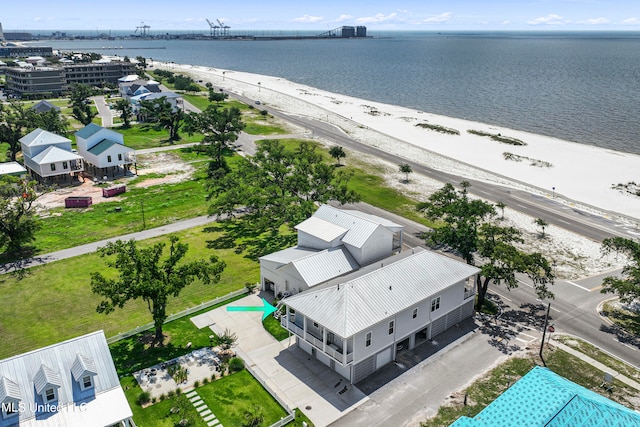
x: 82, y: 366
x: 325, y: 265
x: 52, y: 365
x: 46, y: 377
x: 288, y: 255
x: 54, y: 154
x: 360, y: 303
x: 375, y: 218
x: 8, y: 390
x: 43, y: 137
x: 360, y: 229
x: 321, y: 229
x: 88, y: 130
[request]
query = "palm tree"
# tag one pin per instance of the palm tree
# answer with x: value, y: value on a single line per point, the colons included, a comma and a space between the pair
x: 337, y: 152
x: 542, y: 224
x: 501, y: 206
x: 406, y: 170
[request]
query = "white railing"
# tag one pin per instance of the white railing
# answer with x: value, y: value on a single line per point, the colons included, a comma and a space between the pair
x: 313, y: 340
x: 296, y: 329
x: 138, y: 329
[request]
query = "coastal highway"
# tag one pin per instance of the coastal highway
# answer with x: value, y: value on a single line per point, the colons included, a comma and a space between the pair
x: 595, y: 227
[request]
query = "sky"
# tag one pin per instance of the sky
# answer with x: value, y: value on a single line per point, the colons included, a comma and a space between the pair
x: 380, y: 15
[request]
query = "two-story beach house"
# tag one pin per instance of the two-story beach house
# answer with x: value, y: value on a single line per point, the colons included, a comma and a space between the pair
x: 104, y: 152
x: 355, y: 324
x: 72, y: 384
x: 49, y: 158
x: 331, y: 243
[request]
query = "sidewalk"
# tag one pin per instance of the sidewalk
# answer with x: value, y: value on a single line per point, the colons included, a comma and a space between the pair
x: 616, y: 375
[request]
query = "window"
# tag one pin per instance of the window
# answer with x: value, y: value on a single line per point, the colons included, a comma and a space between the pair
x: 367, y: 340
x: 391, y: 325
x: 9, y: 408
x: 435, y: 303
x: 86, y: 382
x: 109, y: 159
x: 53, y: 167
x: 315, y: 324
x: 49, y: 395
x: 415, y: 313
x: 65, y: 165
x: 120, y: 156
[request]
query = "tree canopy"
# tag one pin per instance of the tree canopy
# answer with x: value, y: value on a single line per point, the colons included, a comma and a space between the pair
x: 279, y: 186
x: 337, y: 152
x: 144, y: 274
x: 164, y: 115
x: 220, y: 127
x: 465, y: 228
x: 18, y: 223
x: 405, y: 168
x: 627, y: 286
x: 80, y: 103
x: 15, y: 121
x: 126, y: 110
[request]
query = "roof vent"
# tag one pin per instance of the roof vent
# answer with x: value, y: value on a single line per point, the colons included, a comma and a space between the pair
x: 389, y: 287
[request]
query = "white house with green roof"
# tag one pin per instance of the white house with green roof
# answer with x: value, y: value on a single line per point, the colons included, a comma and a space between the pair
x: 356, y: 324
x: 104, y: 152
x: 49, y: 158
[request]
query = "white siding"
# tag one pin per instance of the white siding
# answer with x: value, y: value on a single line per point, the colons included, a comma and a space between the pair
x: 380, y: 339
x: 378, y: 246
x: 308, y: 241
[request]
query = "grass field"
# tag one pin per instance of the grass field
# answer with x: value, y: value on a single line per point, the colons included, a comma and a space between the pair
x: 54, y: 302
x: 228, y: 398
x: 140, y: 136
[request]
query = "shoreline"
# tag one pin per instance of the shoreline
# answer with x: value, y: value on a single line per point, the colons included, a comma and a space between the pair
x: 571, y: 172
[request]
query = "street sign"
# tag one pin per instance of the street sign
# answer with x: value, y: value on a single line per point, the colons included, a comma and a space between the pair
x: 552, y: 329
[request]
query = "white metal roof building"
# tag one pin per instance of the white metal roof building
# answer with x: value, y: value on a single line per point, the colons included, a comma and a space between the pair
x: 357, y: 324
x: 73, y: 384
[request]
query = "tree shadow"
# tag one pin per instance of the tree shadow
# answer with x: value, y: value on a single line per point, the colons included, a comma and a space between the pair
x: 529, y: 314
x: 622, y: 335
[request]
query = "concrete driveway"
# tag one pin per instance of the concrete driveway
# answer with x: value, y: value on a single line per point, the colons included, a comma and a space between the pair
x: 298, y: 380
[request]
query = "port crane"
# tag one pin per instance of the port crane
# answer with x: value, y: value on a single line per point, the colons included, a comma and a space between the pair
x: 213, y: 28
x: 224, y: 29
x: 144, y: 29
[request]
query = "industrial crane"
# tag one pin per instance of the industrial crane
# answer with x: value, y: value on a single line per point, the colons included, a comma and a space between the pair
x: 214, y: 28
x: 224, y: 28
x: 143, y: 29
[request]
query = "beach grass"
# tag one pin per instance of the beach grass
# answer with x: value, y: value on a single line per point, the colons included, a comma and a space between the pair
x: 54, y: 302
x: 498, y: 137
x: 438, y: 128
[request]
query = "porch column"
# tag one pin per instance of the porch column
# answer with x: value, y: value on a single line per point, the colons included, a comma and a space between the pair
x: 344, y: 351
x: 324, y: 339
x: 304, y: 327
x: 412, y: 341
x: 286, y: 323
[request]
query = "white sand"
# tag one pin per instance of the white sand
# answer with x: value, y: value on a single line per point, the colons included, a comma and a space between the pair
x: 582, y: 175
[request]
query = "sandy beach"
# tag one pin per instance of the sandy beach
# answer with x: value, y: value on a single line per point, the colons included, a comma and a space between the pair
x: 582, y: 175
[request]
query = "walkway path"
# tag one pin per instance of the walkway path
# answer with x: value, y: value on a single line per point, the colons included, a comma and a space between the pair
x: 103, y: 111
x: 203, y: 409
x: 92, y: 247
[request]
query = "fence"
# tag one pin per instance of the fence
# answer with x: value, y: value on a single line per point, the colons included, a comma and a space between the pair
x: 291, y: 412
x: 137, y: 330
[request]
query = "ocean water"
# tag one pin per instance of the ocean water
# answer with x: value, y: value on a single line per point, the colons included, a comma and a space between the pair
x: 582, y: 87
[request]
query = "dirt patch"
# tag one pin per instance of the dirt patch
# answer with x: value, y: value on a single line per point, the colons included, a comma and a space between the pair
x: 165, y: 163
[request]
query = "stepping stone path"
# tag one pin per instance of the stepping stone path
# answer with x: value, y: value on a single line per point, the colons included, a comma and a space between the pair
x: 203, y: 409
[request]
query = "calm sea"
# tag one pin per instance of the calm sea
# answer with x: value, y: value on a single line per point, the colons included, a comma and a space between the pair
x: 582, y: 87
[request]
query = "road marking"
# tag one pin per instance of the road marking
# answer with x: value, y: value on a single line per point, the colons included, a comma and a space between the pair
x: 626, y: 345
x: 597, y: 288
x: 525, y: 283
x: 578, y: 286
x: 555, y: 309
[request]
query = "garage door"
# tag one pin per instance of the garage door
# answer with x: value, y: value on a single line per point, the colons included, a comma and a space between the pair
x: 383, y: 357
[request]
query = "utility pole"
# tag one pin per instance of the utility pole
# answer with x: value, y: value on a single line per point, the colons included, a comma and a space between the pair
x: 544, y: 333
x: 144, y: 224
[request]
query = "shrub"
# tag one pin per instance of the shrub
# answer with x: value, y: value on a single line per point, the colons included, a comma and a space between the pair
x: 236, y: 364
x: 171, y: 393
x: 162, y: 397
x: 196, y: 384
x: 143, y: 398
x: 205, y: 380
x: 178, y: 391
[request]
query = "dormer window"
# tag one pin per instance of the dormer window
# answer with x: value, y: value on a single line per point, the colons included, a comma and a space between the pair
x: 50, y: 395
x: 87, y: 382
x: 10, y: 393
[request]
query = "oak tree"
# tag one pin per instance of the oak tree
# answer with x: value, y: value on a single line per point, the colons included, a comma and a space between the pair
x: 627, y: 285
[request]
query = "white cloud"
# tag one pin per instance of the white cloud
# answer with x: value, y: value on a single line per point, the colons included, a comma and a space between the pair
x: 631, y: 21
x: 309, y: 18
x: 43, y: 19
x: 551, y: 19
x: 594, y: 21
x: 377, y: 18
x: 506, y: 22
x: 344, y: 18
x: 443, y: 17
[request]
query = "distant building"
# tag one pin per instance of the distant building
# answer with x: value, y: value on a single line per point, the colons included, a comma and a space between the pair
x: 23, y: 51
x: 543, y: 398
x: 73, y: 384
x: 57, y: 79
x: 43, y: 106
x: 18, y: 36
x: 133, y: 85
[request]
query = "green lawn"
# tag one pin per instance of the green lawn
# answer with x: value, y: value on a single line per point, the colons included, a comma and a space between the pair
x: 140, y: 136
x: 230, y: 397
x: 272, y: 325
x: 54, y: 302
